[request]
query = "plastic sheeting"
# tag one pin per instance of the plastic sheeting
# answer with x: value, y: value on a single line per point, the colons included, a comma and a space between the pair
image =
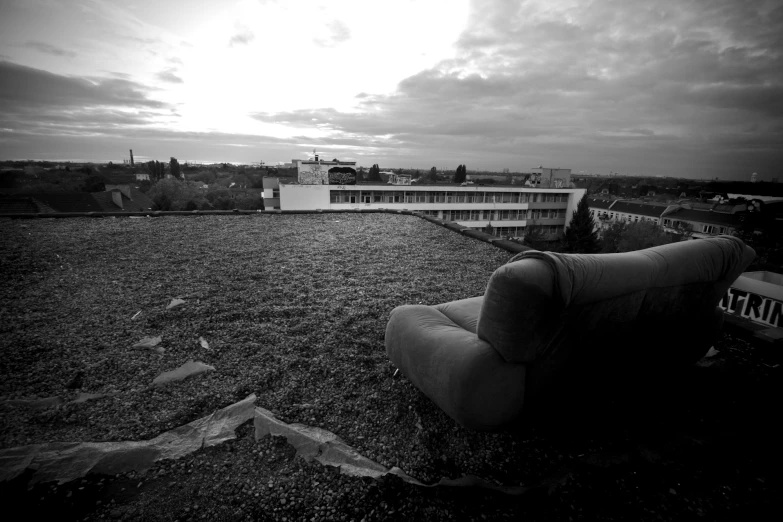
x: 327, y: 448
x: 188, y: 369
x: 67, y: 461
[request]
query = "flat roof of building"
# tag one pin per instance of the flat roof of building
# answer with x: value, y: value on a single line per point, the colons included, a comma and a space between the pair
x: 442, y: 187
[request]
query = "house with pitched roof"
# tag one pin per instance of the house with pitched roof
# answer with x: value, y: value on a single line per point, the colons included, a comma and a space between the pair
x: 116, y: 198
x: 704, y: 222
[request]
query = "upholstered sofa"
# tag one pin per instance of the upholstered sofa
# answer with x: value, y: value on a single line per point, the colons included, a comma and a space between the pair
x: 551, y: 328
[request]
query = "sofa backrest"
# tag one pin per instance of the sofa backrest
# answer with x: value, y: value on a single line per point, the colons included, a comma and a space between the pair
x: 526, y: 301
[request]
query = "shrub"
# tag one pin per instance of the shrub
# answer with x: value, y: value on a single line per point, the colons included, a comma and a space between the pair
x: 162, y: 202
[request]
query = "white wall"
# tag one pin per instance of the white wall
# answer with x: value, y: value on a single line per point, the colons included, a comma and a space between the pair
x: 573, y: 201
x: 304, y: 197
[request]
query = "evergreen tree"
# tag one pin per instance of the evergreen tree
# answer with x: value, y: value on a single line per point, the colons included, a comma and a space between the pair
x: 460, y: 175
x: 433, y: 175
x: 174, y: 164
x: 374, y: 174
x: 581, y: 236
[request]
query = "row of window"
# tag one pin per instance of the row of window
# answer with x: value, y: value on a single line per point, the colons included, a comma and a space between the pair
x: 501, y: 215
x: 520, y: 231
x: 624, y: 217
x: 399, y: 196
x: 707, y: 229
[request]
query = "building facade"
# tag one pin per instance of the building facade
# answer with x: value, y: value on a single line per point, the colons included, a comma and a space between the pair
x: 508, y: 210
x: 704, y: 220
x: 605, y: 212
x: 703, y: 223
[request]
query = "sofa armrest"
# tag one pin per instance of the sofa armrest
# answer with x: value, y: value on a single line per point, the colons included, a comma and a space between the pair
x: 462, y: 374
x: 521, y: 310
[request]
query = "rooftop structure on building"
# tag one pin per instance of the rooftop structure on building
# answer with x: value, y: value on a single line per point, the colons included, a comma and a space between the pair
x: 316, y: 171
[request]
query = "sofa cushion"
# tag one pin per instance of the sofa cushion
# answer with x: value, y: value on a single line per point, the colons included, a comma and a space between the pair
x: 462, y: 374
x: 464, y: 312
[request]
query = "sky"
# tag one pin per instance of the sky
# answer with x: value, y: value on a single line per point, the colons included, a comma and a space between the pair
x: 686, y: 88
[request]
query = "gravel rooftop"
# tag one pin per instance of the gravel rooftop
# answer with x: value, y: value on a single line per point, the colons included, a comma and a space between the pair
x: 293, y: 308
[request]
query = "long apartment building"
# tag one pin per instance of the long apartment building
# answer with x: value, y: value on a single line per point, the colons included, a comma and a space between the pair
x: 509, y: 210
x: 704, y: 219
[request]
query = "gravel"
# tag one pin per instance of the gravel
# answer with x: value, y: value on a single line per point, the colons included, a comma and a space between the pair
x: 293, y: 308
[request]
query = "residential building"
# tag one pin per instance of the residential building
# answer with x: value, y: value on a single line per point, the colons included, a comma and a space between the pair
x: 116, y: 198
x: 599, y: 209
x: 397, y: 179
x: 704, y: 223
x: 271, y: 193
x: 509, y: 210
x: 705, y: 219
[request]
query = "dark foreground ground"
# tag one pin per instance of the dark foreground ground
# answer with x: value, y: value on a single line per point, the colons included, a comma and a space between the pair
x: 294, y: 311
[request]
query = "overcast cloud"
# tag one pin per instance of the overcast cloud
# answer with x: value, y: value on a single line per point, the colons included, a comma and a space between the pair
x: 656, y: 88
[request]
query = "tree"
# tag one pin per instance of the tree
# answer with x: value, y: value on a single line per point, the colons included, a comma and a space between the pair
x: 94, y: 184
x: 162, y: 202
x: 374, y: 174
x: 535, y: 237
x: 682, y: 231
x: 640, y: 235
x: 8, y: 178
x: 488, y: 229
x: 175, y: 171
x: 157, y: 170
x: 461, y: 174
x: 433, y: 178
x: 241, y: 180
x: 581, y: 236
x: 610, y: 237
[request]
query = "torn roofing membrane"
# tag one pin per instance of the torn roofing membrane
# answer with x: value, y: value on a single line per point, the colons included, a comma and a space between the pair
x: 66, y: 461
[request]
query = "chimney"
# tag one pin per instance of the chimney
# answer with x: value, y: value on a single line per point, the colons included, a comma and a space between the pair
x: 131, y: 153
x: 116, y: 197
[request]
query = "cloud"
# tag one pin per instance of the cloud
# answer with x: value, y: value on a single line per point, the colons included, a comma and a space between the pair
x: 243, y: 37
x: 39, y: 103
x: 169, y: 76
x: 338, y: 33
x: 49, y: 49
x: 26, y: 86
x: 605, y: 85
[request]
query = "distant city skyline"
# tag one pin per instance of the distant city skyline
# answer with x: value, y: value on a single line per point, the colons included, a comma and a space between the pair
x: 669, y: 88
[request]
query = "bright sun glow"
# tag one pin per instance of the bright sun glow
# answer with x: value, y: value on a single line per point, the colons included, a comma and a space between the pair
x: 302, y: 55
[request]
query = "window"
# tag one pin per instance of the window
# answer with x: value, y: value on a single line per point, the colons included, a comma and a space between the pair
x: 667, y: 223
x: 376, y: 198
x: 709, y: 229
x: 275, y: 193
